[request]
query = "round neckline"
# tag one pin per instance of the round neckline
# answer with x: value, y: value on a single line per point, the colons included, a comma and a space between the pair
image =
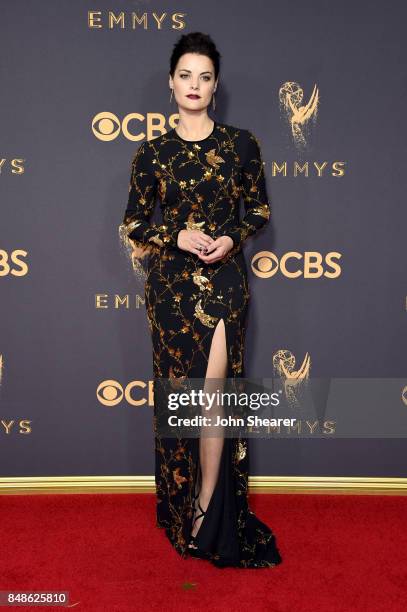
x: 202, y: 139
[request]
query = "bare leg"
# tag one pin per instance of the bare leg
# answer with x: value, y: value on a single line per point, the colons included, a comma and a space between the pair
x: 210, y: 448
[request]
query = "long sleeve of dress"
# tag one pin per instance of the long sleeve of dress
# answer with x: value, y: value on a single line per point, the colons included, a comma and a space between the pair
x: 143, y: 189
x: 254, y: 193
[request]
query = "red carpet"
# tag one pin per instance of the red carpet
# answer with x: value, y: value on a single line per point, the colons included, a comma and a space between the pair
x: 340, y: 553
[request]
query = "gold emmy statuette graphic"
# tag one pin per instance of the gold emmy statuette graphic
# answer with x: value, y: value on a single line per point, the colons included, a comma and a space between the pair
x: 294, y: 380
x: 404, y: 395
x: 298, y: 116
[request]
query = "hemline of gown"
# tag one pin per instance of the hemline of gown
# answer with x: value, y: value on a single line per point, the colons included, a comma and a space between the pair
x: 222, y: 562
x: 228, y: 535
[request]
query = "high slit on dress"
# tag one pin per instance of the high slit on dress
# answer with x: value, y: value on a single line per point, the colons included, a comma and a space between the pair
x: 199, y: 185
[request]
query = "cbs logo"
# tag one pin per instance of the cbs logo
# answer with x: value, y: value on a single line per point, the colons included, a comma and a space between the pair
x: 111, y: 393
x: 107, y: 126
x: 310, y: 264
x: 6, y: 259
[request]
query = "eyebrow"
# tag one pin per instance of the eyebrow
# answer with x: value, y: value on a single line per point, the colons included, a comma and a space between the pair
x: 205, y: 72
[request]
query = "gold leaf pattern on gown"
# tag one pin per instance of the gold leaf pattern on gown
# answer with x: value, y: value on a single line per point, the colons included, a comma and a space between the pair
x: 199, y: 187
x: 179, y: 479
x: 263, y: 211
x: 202, y: 281
x: 157, y: 240
x: 162, y: 189
x: 241, y: 450
x: 204, y: 318
x: 191, y: 224
x: 213, y: 159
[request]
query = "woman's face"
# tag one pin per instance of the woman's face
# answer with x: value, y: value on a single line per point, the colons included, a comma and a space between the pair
x: 194, y: 74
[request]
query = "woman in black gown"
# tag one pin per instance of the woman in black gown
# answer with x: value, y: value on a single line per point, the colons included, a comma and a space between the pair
x: 197, y: 295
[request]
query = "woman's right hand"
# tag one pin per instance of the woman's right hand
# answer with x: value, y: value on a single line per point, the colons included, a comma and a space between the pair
x: 190, y: 240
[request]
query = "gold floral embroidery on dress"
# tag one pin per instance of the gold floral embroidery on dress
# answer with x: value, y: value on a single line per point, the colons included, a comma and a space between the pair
x: 204, y: 318
x: 213, y: 159
x: 241, y: 450
x: 202, y: 281
x: 199, y: 186
x: 191, y: 224
x: 246, y: 180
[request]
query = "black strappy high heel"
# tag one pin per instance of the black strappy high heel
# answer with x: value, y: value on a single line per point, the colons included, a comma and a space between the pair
x: 194, y: 550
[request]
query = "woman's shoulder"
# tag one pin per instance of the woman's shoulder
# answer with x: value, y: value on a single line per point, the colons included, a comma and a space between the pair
x: 235, y: 131
x: 244, y: 138
x: 246, y: 141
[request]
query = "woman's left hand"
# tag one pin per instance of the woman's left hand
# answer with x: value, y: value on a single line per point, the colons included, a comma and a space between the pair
x: 217, y: 250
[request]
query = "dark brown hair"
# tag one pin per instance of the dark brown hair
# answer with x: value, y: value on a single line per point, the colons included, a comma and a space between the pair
x: 195, y: 42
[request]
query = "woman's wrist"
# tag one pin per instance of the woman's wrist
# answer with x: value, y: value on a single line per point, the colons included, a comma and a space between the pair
x: 229, y: 241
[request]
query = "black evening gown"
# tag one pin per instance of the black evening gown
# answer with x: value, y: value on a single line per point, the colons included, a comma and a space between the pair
x: 199, y: 185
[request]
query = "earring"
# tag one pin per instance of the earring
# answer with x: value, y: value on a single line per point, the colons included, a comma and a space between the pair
x: 213, y: 100
x: 171, y: 95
